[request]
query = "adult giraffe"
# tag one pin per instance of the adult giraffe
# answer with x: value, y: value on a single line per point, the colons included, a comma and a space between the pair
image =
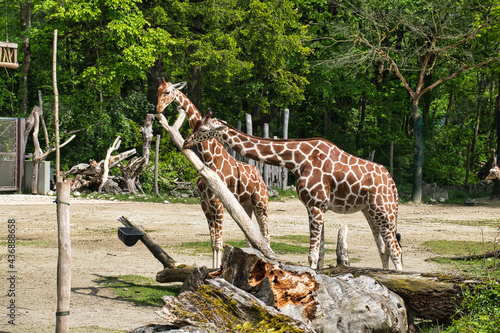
x: 243, y: 180
x: 328, y: 179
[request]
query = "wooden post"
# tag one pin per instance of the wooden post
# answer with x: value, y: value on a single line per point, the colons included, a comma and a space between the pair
x: 342, y: 253
x: 157, y: 152
x: 248, y: 119
x: 265, y: 171
x: 218, y: 187
x: 56, y: 106
x: 285, y: 136
x: 64, y: 258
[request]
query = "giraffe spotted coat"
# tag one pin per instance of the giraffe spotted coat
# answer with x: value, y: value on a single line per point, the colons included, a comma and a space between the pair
x: 328, y: 179
x: 243, y: 180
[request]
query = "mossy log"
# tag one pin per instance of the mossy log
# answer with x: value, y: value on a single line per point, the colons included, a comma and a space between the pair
x: 433, y: 297
x: 218, y: 306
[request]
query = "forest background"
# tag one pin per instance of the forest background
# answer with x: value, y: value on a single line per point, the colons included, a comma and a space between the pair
x: 360, y: 73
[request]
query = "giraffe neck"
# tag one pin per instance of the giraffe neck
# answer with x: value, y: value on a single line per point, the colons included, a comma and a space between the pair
x: 270, y: 151
x: 191, y: 110
x: 211, y: 151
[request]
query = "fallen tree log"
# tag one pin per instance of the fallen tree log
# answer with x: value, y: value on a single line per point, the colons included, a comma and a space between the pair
x: 149, y: 242
x: 218, y: 306
x: 433, y: 297
x: 172, y: 272
x: 330, y: 304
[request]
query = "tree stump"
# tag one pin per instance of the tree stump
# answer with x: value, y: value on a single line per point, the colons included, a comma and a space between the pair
x: 330, y: 304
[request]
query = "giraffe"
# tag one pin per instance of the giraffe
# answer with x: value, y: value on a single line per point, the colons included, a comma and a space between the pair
x: 495, y: 170
x: 328, y: 179
x: 243, y: 180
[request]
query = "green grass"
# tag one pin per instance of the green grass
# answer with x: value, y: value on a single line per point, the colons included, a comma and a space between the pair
x: 284, y: 194
x: 292, y: 244
x: 140, y: 198
x: 471, y: 223
x: 472, y: 267
x: 458, y: 248
x: 138, y: 289
x: 30, y: 243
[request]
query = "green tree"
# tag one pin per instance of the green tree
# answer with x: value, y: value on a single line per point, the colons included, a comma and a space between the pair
x: 415, y: 39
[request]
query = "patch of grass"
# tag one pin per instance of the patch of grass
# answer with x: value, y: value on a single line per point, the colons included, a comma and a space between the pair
x: 472, y: 223
x: 140, y: 198
x: 278, y: 247
x: 290, y: 194
x: 302, y: 239
x: 479, y: 268
x: 483, y: 267
x: 138, y: 289
x: 29, y: 243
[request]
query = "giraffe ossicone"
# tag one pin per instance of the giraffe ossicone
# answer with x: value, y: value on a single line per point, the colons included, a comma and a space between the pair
x: 243, y: 180
x: 328, y: 179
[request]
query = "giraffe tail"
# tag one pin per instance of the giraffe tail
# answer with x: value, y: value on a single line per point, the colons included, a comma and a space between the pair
x: 398, y: 235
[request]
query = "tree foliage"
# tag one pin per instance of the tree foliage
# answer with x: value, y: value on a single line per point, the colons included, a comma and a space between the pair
x: 349, y: 71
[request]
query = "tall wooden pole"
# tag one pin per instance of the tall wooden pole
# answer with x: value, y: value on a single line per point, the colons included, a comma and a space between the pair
x: 285, y: 136
x: 64, y: 258
x: 249, y: 125
x: 265, y: 171
x: 56, y: 105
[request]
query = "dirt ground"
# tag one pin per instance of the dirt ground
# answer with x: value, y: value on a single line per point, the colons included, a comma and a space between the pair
x: 97, y: 251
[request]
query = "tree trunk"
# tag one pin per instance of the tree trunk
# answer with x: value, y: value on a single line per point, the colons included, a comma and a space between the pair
x: 433, y: 297
x: 147, y: 136
x: 330, y: 304
x: 418, y: 152
x: 361, y: 121
x: 218, y: 306
x: 495, y: 194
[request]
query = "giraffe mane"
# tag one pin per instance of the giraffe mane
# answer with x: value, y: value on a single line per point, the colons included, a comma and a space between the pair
x: 272, y: 140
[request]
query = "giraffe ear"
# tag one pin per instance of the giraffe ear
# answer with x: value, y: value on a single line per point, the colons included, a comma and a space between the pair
x: 218, y: 128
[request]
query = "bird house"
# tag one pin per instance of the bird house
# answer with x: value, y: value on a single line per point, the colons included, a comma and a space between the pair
x: 8, y: 55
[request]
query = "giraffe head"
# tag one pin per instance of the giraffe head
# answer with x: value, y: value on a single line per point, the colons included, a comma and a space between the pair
x: 494, y: 173
x: 166, y: 93
x: 205, y: 129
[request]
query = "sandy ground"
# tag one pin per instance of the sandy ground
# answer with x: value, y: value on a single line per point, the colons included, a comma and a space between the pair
x: 97, y: 251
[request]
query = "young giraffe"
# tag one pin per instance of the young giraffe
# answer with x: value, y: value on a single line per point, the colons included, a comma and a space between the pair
x: 243, y: 180
x: 328, y: 179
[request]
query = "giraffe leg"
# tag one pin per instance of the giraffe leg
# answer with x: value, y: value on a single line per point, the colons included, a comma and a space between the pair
x: 260, y: 208
x: 384, y: 232
x: 214, y: 213
x: 219, y: 221
x: 381, y: 246
x: 316, y: 216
